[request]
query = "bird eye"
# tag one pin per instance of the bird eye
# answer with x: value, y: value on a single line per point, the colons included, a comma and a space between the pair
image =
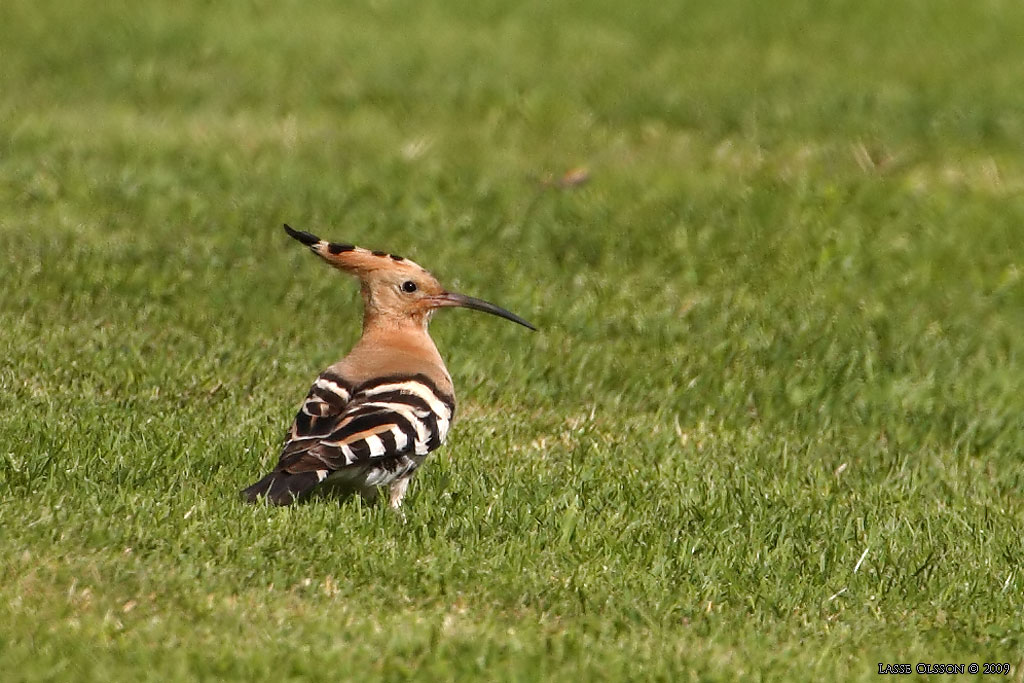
x: 408, y: 286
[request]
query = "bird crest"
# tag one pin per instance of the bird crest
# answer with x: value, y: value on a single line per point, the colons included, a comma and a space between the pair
x: 353, y: 259
x: 394, y: 288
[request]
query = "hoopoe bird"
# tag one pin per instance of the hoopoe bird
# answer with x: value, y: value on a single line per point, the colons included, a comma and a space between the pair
x: 370, y: 419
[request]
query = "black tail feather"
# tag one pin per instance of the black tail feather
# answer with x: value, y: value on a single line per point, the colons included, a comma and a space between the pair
x: 281, y: 488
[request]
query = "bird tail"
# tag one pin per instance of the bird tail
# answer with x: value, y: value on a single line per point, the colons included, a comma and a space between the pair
x: 281, y: 488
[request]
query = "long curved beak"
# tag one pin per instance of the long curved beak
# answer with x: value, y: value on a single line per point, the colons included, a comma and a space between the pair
x: 452, y: 299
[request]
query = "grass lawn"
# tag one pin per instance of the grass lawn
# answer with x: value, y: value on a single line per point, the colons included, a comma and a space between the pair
x: 772, y: 426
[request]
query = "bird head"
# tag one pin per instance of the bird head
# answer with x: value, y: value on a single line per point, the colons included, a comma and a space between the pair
x: 395, y: 289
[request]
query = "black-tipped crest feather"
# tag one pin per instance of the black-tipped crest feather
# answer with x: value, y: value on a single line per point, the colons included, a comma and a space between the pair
x: 307, y: 238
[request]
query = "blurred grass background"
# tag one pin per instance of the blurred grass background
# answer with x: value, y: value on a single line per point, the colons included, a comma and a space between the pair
x: 771, y: 428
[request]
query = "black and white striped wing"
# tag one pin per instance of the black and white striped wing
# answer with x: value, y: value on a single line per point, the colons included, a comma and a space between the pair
x: 376, y: 433
x: 322, y: 408
x: 342, y: 426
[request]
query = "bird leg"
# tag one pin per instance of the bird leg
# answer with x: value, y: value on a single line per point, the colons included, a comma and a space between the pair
x: 398, y: 489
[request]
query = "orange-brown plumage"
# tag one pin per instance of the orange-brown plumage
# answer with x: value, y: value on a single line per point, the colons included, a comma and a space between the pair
x: 371, y: 418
